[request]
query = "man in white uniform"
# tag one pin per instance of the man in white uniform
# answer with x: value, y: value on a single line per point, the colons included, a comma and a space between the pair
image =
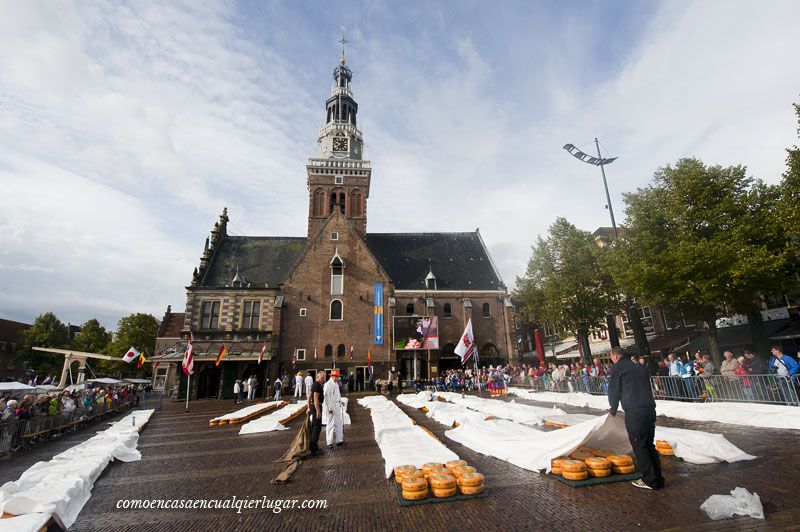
x: 298, y: 385
x: 333, y: 410
x: 309, y: 382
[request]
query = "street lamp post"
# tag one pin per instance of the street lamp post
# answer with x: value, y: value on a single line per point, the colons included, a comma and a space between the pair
x: 633, y: 313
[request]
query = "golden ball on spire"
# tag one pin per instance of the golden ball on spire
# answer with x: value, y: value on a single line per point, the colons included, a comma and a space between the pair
x: 342, y: 61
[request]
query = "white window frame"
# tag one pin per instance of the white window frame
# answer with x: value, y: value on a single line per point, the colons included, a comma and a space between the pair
x: 330, y: 307
x: 338, y: 180
x: 160, y: 380
x: 341, y: 281
x: 300, y: 354
x: 335, y: 235
x: 303, y: 312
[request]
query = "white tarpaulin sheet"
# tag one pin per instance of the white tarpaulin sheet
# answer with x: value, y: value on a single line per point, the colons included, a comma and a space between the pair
x: 400, y: 441
x: 449, y: 413
x: 569, y: 419
x: 246, y: 411
x: 271, y: 422
x: 747, y: 414
x: 61, y: 486
x: 519, y: 413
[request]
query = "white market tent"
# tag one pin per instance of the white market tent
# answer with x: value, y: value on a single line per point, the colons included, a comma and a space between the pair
x: 46, y: 388
x: 104, y: 380
x: 137, y: 381
x: 15, y: 387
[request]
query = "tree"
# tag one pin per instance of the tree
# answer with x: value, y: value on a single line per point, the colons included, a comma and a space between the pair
x: 790, y: 196
x: 137, y: 330
x: 46, y: 331
x: 566, y: 284
x: 92, y: 338
x: 702, y: 239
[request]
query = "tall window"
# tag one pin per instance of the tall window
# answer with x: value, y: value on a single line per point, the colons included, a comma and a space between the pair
x: 340, y: 351
x: 410, y: 309
x: 209, y: 315
x: 319, y: 203
x: 336, y: 310
x: 448, y: 310
x: 329, y: 351
x: 486, y: 312
x: 337, y: 276
x: 251, y: 314
x: 356, y: 204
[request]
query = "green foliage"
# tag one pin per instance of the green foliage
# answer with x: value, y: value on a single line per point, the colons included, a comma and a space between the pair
x: 137, y: 330
x: 46, y: 331
x: 566, y: 282
x: 789, y: 207
x: 92, y: 338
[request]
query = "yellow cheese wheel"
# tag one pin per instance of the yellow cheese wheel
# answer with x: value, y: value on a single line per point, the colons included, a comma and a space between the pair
x: 213, y: 423
x: 438, y: 471
x: 558, y: 462
x: 471, y: 490
x: 455, y: 463
x: 556, y: 470
x: 575, y: 475
x: 623, y: 470
x: 426, y: 468
x: 445, y: 492
x: 663, y: 443
x: 412, y: 473
x: 471, y: 479
x: 462, y: 470
x: 602, y: 454
x: 573, y: 465
x: 585, y: 449
x: 578, y: 455
x: 443, y: 481
x: 414, y: 484
x: 415, y: 495
x: 599, y: 472
x: 401, y: 469
x: 665, y: 451
x: 597, y: 462
x: 620, y: 459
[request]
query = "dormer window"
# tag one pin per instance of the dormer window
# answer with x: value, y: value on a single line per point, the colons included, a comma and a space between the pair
x: 337, y: 275
x: 430, y: 281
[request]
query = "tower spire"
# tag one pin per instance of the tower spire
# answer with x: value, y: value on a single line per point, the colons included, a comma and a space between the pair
x: 343, y: 41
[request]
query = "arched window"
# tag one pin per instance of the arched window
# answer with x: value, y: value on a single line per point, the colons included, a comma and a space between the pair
x: 340, y: 351
x: 410, y: 309
x: 337, y: 276
x: 356, y: 204
x: 342, y: 201
x: 486, y: 311
x: 328, y: 351
x: 336, y: 310
x: 318, y: 204
x: 448, y: 310
x: 333, y: 203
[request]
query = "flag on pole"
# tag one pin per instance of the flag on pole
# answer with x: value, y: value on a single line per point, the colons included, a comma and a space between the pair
x: 369, y: 358
x: 351, y: 352
x: 188, y: 359
x: 261, y: 354
x: 131, y: 355
x: 315, y: 353
x: 141, y: 361
x: 466, y: 346
x: 222, y: 353
x: 294, y: 360
x: 155, y: 364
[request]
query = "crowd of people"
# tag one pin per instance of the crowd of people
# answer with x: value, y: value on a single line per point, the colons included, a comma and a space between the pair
x: 67, y: 403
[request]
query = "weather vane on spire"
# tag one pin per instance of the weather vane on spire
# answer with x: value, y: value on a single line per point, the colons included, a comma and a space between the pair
x: 343, y: 41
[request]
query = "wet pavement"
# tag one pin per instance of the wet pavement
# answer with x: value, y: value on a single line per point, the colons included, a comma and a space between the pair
x: 184, y: 458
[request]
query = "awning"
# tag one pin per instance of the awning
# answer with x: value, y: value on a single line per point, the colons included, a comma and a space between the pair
x: 790, y: 331
x: 15, y: 387
x: 104, y: 380
x: 137, y: 381
x: 733, y: 337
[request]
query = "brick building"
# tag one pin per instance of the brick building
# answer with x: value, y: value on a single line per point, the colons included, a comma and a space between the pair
x: 10, y: 332
x: 331, y: 298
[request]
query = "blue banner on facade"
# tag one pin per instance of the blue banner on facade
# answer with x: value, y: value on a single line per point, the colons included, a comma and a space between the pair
x: 378, y: 323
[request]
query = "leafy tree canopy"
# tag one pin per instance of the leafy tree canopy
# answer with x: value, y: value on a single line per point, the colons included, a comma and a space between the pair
x: 92, y: 338
x: 47, y: 331
x: 137, y: 330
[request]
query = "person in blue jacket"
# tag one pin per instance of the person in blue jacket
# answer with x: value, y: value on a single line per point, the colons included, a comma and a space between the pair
x: 687, y: 375
x: 787, y: 368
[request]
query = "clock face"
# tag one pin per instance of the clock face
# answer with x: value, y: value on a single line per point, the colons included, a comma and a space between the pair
x: 339, y: 144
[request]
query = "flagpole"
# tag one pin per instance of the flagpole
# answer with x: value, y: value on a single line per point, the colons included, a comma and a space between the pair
x: 188, y: 388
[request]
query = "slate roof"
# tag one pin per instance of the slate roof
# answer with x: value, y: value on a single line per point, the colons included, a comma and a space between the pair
x: 260, y: 259
x: 459, y: 261
x: 172, y: 326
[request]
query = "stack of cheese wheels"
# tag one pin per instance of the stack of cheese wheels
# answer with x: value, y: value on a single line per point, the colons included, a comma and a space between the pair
x: 557, y: 465
x: 443, y: 484
x: 459, y: 471
x: 402, y: 470
x: 415, y: 488
x: 426, y: 468
x: 580, y: 455
x: 621, y: 463
x: 601, y: 453
x: 663, y: 447
x: 470, y: 483
x: 598, y: 466
x: 452, y: 464
x: 574, y: 470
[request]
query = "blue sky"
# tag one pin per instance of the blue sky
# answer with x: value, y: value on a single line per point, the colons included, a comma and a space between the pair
x: 126, y: 127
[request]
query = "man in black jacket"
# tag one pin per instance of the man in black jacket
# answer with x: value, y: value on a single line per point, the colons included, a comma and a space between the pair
x: 630, y: 385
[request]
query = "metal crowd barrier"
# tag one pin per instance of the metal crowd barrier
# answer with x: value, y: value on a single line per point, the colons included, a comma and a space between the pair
x: 767, y: 389
x: 23, y: 433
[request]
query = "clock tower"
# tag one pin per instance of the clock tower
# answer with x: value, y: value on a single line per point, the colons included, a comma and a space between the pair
x: 338, y: 177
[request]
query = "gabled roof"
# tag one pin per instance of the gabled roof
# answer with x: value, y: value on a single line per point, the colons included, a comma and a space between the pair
x: 172, y: 325
x: 260, y: 260
x: 460, y: 261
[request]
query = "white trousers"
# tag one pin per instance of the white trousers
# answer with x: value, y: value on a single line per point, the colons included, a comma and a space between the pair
x: 335, y: 427
x: 308, y: 391
x: 298, y: 390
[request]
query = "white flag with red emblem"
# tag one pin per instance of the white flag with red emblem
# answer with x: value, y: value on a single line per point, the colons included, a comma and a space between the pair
x: 188, y: 359
x: 466, y: 346
x: 131, y: 355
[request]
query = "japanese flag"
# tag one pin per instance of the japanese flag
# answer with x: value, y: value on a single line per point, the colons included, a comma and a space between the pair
x: 131, y: 355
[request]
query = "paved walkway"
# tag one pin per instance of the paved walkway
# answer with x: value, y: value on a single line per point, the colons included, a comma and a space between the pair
x: 185, y: 458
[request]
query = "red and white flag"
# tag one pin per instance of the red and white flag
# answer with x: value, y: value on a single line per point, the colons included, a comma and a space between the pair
x: 315, y: 354
x: 261, y: 354
x: 466, y: 346
x: 351, y: 352
x: 188, y: 359
x: 131, y: 355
